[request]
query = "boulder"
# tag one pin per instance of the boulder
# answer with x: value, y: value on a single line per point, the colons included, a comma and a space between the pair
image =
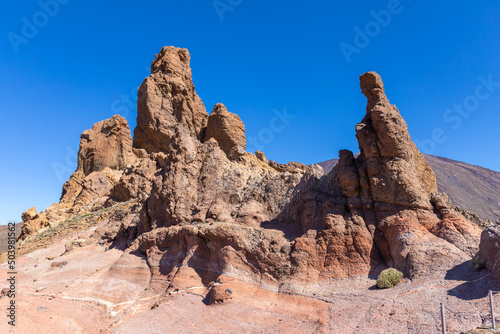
x: 107, y: 144
x: 228, y: 130
x: 29, y: 215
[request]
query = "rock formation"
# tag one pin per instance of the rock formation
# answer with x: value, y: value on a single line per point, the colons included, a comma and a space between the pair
x: 205, y: 208
x: 167, y: 103
x: 105, y: 150
x: 489, y: 251
x: 107, y: 145
x: 228, y: 130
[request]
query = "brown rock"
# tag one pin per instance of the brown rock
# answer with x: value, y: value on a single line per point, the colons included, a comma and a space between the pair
x: 261, y: 156
x: 376, y: 208
x: 29, y: 215
x: 105, y: 150
x: 489, y: 250
x: 107, y: 144
x: 228, y: 130
x: 58, y: 264
x: 167, y: 100
x: 208, y: 209
x: 4, y: 292
x: 220, y: 294
x: 390, y: 155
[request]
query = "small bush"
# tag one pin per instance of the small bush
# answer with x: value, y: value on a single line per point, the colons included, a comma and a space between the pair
x: 478, y: 264
x: 389, y: 278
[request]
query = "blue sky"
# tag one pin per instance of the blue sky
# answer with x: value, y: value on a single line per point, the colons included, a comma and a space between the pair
x: 66, y: 67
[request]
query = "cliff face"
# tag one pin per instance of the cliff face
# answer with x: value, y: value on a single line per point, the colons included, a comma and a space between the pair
x: 209, y: 209
x: 167, y: 101
x: 469, y: 187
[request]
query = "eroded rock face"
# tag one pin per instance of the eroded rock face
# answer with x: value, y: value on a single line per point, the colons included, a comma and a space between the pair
x: 381, y: 207
x: 107, y: 145
x: 199, y: 183
x: 489, y: 250
x: 168, y: 104
x: 228, y: 130
x: 390, y: 155
x: 204, y: 208
x: 105, y: 151
x: 29, y: 215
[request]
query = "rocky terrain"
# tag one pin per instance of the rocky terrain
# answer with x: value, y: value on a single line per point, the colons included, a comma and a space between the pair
x: 182, y: 230
x: 472, y: 188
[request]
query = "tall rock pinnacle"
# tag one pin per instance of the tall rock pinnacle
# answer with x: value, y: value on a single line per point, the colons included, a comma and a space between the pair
x: 397, y: 171
x: 167, y: 103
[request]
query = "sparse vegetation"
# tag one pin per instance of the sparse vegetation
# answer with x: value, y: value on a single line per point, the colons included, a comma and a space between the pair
x: 389, y: 278
x: 66, y: 228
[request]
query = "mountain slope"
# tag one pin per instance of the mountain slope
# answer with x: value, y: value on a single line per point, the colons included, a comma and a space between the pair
x: 470, y: 187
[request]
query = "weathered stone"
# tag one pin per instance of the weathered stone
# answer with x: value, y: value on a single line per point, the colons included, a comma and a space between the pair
x: 107, y: 144
x: 29, y: 215
x: 167, y: 100
x: 228, y: 130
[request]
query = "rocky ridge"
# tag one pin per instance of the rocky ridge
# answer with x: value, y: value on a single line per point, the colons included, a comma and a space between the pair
x: 206, y: 210
x: 472, y: 189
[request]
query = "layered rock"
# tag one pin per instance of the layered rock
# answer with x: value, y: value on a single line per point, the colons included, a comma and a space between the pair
x: 397, y: 171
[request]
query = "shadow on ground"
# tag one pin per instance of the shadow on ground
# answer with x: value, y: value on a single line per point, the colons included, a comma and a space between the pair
x: 477, y: 283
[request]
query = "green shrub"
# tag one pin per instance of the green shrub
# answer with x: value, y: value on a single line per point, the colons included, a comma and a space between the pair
x: 389, y: 278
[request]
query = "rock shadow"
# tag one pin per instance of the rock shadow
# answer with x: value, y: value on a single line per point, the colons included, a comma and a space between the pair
x: 477, y: 283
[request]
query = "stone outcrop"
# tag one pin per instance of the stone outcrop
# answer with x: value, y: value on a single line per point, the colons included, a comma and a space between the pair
x: 187, y: 217
x: 205, y: 208
x: 397, y: 171
x: 105, y: 151
x: 489, y: 250
x: 380, y: 207
x: 107, y: 145
x: 228, y: 130
x: 29, y: 215
x: 168, y: 104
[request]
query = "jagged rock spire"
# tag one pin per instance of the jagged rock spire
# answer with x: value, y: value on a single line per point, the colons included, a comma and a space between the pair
x: 168, y: 104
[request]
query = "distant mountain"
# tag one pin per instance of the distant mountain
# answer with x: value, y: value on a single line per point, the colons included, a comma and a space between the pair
x: 470, y: 187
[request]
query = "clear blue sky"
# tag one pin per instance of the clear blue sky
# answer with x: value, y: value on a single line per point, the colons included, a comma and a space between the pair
x: 88, y: 57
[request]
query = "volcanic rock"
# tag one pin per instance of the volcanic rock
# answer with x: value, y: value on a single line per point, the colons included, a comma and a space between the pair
x: 187, y: 209
x: 228, y: 130
x: 105, y: 150
x: 489, y: 250
x: 205, y: 208
x: 168, y: 104
x: 29, y: 215
x: 107, y: 144
x: 377, y: 208
x: 397, y: 171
